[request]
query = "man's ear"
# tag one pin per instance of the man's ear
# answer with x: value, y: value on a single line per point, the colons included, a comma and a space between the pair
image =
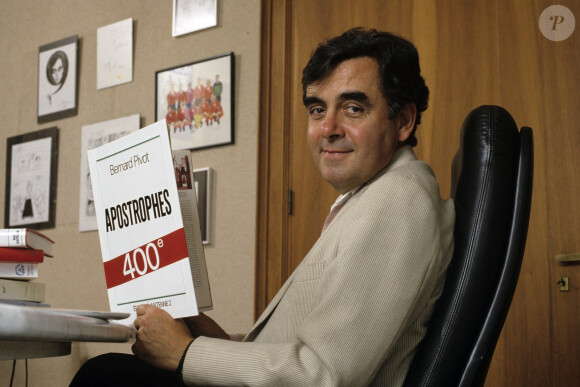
x: 406, y: 121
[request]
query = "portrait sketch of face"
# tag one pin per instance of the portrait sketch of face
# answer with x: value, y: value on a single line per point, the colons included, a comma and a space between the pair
x: 57, y: 69
x: 57, y: 79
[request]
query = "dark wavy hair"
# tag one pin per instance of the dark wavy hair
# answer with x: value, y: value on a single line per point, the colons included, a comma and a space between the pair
x: 51, y: 61
x: 398, y: 60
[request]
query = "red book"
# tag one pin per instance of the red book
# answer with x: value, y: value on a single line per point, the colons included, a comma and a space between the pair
x: 9, y: 254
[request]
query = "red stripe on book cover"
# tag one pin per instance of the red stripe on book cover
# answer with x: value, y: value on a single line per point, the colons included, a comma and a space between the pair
x: 146, y: 259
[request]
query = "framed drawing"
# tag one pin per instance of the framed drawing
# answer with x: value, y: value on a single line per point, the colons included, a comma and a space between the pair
x: 202, y: 180
x: 193, y: 15
x: 31, y: 168
x: 93, y: 136
x: 57, y: 80
x: 197, y: 102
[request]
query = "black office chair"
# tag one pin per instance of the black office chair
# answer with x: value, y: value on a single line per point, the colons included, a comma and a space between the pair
x: 492, y: 187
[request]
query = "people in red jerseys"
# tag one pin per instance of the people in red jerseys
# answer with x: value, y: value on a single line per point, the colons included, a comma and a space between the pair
x: 181, y: 96
x: 216, y: 109
x: 204, y: 110
x: 189, y: 95
x: 195, y: 112
x: 183, y: 116
x: 198, y: 92
x: 172, y: 97
x: 171, y: 118
x: 208, y: 91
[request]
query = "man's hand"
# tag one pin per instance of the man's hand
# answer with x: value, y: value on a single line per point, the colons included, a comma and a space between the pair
x: 204, y: 326
x: 161, y: 340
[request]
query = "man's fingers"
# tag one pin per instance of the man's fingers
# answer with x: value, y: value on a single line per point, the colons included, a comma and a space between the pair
x: 141, y: 309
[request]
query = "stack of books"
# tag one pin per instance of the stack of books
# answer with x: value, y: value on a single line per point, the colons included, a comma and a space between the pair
x: 21, y: 252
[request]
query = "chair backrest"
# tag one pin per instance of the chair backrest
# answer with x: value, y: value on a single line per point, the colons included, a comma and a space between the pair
x: 492, y: 188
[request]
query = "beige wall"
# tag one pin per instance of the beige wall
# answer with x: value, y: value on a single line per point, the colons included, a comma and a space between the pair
x: 75, y: 276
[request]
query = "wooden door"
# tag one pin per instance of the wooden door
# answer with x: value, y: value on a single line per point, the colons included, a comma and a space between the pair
x: 472, y: 53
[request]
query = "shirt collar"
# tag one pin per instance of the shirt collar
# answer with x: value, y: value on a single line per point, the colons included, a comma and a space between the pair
x: 344, y: 197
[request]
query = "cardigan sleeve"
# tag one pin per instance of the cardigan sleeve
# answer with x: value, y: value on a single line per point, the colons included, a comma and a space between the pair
x: 384, y: 275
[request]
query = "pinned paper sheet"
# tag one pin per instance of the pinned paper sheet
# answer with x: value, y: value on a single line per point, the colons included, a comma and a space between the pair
x: 115, y: 54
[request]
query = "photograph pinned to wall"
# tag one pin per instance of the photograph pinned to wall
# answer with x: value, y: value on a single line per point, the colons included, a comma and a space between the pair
x: 202, y: 180
x: 197, y: 102
x: 57, y: 80
x: 115, y: 54
x: 31, y: 169
x: 193, y: 15
x: 93, y: 136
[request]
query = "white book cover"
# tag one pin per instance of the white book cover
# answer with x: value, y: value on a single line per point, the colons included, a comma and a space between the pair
x: 140, y: 226
x: 18, y: 270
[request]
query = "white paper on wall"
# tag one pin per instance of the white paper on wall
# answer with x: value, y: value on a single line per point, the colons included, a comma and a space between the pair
x: 115, y: 54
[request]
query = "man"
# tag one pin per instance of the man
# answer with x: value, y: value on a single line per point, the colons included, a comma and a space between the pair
x: 198, y: 92
x: 204, y: 111
x: 216, y: 110
x: 218, y: 87
x: 171, y: 118
x: 197, y: 116
x: 354, y: 310
x: 189, y: 95
x: 172, y: 98
x: 181, y: 96
x: 207, y: 91
x: 183, y: 115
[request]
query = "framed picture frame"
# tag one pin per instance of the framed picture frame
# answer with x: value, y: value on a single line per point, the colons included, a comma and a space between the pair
x: 202, y: 178
x: 93, y: 136
x: 197, y: 102
x: 57, y: 80
x: 193, y: 15
x: 31, y: 169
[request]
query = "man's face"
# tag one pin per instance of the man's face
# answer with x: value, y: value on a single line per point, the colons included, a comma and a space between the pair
x: 57, y: 71
x: 349, y: 134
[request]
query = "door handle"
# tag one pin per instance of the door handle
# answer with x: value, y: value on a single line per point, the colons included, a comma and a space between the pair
x: 564, y: 259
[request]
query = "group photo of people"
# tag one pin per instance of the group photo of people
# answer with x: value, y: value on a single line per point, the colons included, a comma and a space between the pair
x: 191, y: 108
x: 195, y: 101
